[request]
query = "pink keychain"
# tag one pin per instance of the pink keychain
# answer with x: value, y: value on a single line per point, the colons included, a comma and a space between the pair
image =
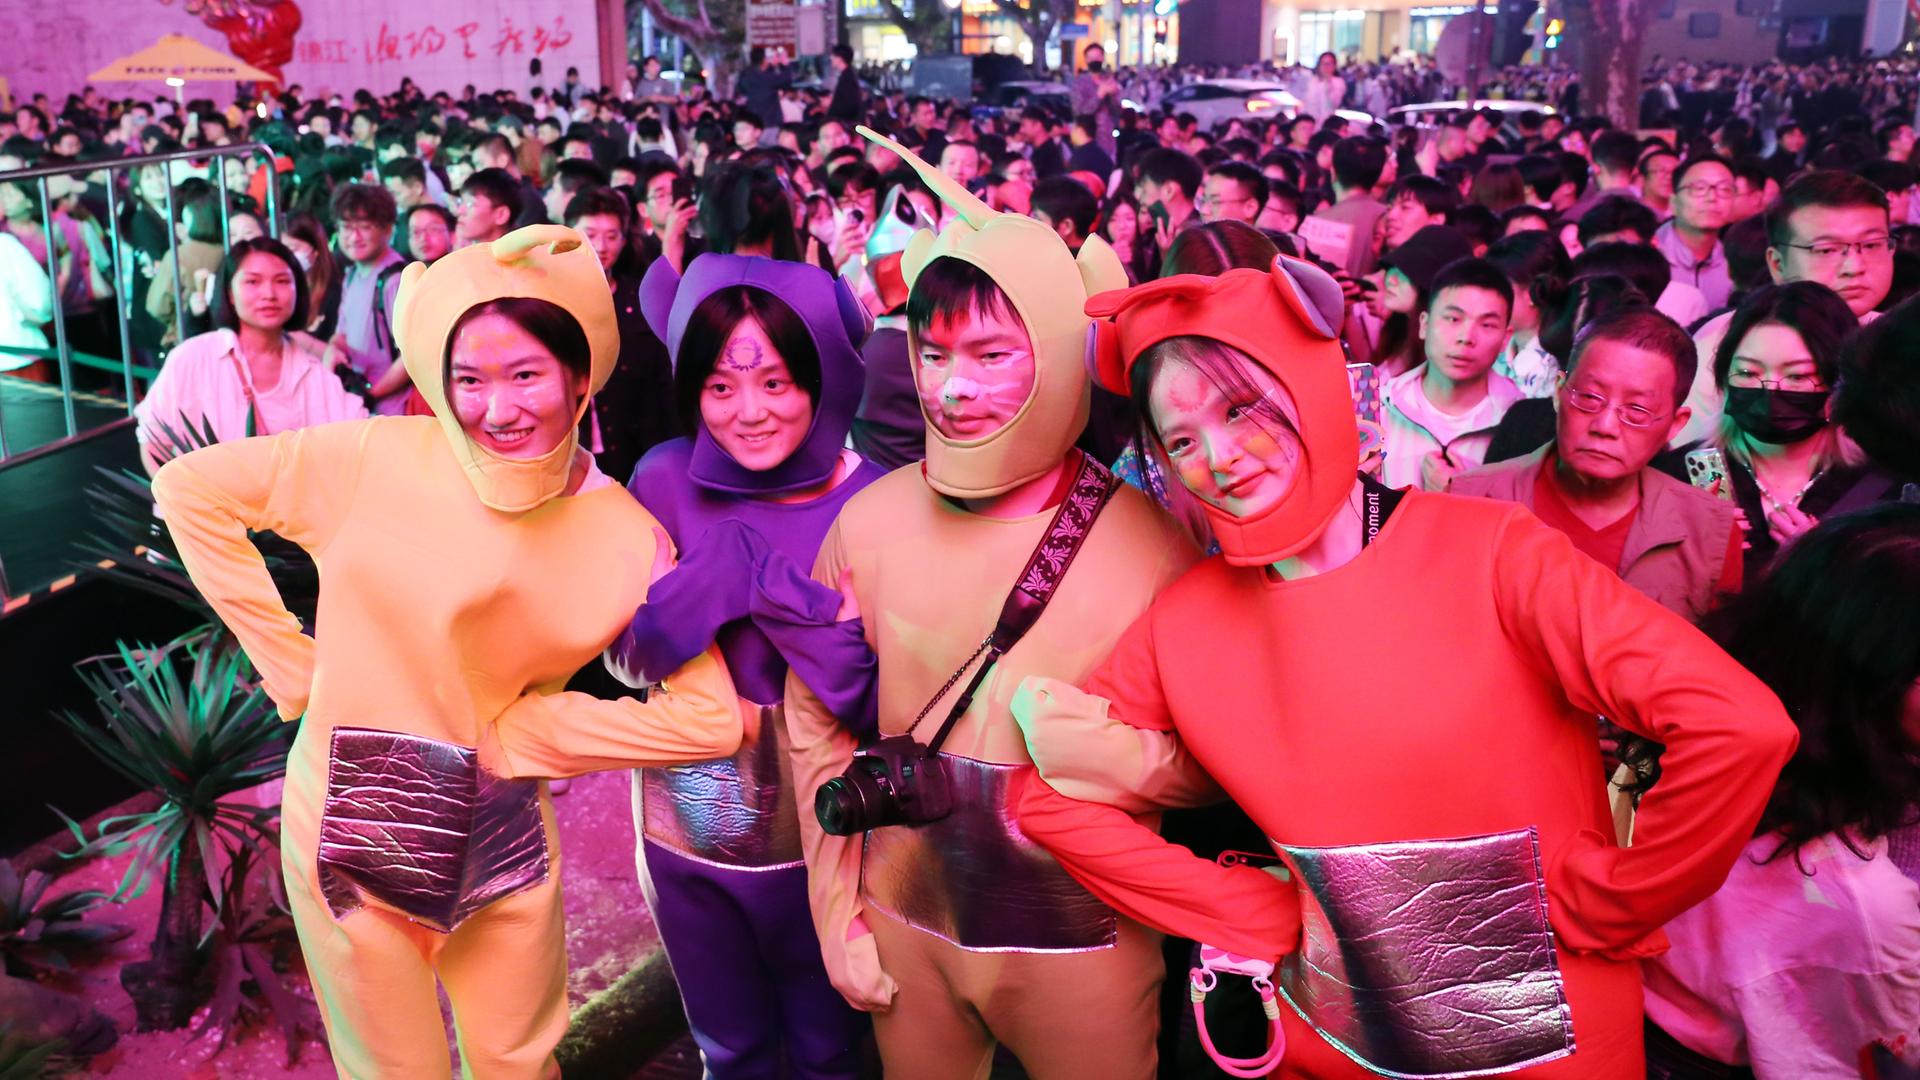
x: 1202, y: 980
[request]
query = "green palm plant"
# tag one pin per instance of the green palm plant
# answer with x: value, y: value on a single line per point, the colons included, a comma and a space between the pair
x: 40, y: 933
x: 129, y: 545
x: 188, y: 721
x: 22, y: 1058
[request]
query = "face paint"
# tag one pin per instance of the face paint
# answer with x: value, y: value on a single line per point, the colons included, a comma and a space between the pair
x: 975, y: 374
x: 742, y: 354
x: 1220, y: 444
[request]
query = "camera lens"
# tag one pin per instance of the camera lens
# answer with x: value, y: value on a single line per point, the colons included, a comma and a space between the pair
x: 834, y: 804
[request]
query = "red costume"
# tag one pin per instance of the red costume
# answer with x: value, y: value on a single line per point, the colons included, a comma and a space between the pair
x: 1414, y: 730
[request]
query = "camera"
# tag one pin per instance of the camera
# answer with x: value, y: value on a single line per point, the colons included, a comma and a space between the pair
x: 896, y: 781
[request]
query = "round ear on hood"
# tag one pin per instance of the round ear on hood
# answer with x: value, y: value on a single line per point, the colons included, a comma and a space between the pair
x: 1106, y: 365
x: 657, y: 290
x: 854, y: 316
x: 1311, y: 293
x: 1100, y: 268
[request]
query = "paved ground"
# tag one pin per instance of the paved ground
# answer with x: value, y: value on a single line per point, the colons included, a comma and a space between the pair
x: 608, y: 930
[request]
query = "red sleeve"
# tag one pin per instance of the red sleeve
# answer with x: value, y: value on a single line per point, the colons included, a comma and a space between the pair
x: 1620, y: 655
x: 1733, y: 571
x: 1128, y: 865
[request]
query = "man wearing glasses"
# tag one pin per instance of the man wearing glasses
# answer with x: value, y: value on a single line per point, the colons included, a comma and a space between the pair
x: 1702, y: 206
x: 1618, y: 403
x: 1827, y: 227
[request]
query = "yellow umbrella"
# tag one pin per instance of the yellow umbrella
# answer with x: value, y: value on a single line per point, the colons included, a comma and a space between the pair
x: 179, y: 60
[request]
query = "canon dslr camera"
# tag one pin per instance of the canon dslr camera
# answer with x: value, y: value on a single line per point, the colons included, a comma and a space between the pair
x: 896, y: 781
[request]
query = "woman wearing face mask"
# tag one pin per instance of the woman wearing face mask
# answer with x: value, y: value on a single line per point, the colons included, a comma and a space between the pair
x: 767, y: 373
x: 307, y: 239
x: 470, y: 563
x: 1788, y: 465
x: 1262, y: 662
x: 248, y: 376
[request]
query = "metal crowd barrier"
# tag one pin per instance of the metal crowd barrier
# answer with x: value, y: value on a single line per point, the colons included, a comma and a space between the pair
x: 119, y: 171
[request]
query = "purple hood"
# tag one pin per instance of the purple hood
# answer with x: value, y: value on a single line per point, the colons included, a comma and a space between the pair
x: 835, y: 319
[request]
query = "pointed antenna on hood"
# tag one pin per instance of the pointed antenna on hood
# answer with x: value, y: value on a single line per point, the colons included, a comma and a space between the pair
x: 965, y: 203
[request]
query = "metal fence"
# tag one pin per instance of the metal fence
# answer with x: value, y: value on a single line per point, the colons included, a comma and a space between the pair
x: 120, y: 180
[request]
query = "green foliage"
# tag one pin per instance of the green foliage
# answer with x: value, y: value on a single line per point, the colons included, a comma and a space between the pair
x: 194, y: 741
x: 40, y: 933
x: 256, y: 918
x: 22, y: 1058
x: 123, y: 524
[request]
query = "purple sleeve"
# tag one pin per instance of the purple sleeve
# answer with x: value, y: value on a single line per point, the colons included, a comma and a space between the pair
x: 800, y: 616
x: 686, y: 608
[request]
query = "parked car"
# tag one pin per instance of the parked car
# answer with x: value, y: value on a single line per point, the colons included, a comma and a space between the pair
x: 1016, y: 95
x: 1429, y: 114
x: 1215, y: 101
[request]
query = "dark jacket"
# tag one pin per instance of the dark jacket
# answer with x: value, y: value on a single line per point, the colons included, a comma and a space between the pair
x: 845, y: 103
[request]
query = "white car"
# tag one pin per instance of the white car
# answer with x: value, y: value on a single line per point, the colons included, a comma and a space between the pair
x: 1215, y: 101
x: 1431, y: 113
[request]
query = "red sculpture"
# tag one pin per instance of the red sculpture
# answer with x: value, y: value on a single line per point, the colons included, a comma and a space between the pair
x: 260, y: 32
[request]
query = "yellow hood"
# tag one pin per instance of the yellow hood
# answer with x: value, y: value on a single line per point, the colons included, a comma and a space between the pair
x: 544, y: 262
x: 1049, y: 288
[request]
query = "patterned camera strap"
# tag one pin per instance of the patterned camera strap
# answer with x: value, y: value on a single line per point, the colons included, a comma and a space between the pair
x: 1072, y: 522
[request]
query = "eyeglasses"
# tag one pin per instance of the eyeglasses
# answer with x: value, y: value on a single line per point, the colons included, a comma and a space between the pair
x: 1827, y: 251
x: 1706, y: 191
x: 1801, y: 382
x: 1634, y: 416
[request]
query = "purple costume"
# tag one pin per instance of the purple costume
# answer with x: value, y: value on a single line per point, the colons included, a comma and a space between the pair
x: 720, y: 851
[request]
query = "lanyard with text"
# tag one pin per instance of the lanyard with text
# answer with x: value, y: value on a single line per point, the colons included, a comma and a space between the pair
x: 1377, y: 503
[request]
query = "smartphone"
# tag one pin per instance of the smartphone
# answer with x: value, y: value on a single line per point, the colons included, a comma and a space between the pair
x: 1706, y: 467
x: 1364, y: 381
x: 682, y: 189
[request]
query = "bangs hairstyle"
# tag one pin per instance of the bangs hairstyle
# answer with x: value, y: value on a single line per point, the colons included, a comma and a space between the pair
x: 713, y: 321
x: 955, y: 289
x: 1824, y: 322
x: 549, y: 324
x: 226, y: 316
x: 1227, y: 368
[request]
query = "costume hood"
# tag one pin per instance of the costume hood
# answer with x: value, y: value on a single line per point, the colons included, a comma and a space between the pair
x: 836, y: 321
x: 1048, y: 287
x: 1287, y: 320
x: 543, y: 262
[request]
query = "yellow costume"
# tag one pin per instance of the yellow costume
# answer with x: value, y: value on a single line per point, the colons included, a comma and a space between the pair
x: 459, y: 591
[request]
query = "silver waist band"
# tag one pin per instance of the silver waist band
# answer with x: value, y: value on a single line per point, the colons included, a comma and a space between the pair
x: 1429, y: 958
x: 416, y: 826
x: 736, y: 812
x: 974, y: 879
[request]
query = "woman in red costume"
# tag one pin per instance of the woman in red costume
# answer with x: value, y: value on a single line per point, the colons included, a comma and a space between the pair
x: 1400, y: 689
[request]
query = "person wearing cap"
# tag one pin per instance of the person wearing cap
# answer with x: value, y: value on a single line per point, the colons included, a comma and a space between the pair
x: 470, y: 563
x: 1418, y: 746
x: 1440, y: 415
x: 958, y: 933
x: 767, y: 372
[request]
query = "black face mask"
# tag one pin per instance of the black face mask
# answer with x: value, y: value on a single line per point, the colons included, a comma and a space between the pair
x: 1096, y: 65
x: 1777, y: 416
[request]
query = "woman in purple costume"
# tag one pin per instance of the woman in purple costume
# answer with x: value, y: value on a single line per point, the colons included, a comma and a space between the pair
x: 767, y: 373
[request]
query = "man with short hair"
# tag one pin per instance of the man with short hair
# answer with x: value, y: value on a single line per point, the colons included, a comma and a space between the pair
x: 488, y: 204
x: 1232, y: 191
x: 1621, y: 399
x: 1440, y: 415
x: 364, y: 338
x: 1616, y: 154
x: 1088, y: 155
x: 1096, y: 93
x: 1828, y: 227
x: 1702, y: 203
x: 570, y: 177
x: 1357, y: 164
x: 1169, y: 180
x: 406, y: 180
x: 1067, y: 207
x: 760, y: 85
x: 747, y: 129
x: 1045, y: 151
x: 960, y: 160
x: 429, y: 232
x: 1414, y: 203
x: 845, y: 104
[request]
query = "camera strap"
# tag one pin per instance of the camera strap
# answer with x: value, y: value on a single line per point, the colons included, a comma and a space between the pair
x: 1072, y: 522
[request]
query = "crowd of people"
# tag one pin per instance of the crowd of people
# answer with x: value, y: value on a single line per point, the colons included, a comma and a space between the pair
x: 1506, y: 505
